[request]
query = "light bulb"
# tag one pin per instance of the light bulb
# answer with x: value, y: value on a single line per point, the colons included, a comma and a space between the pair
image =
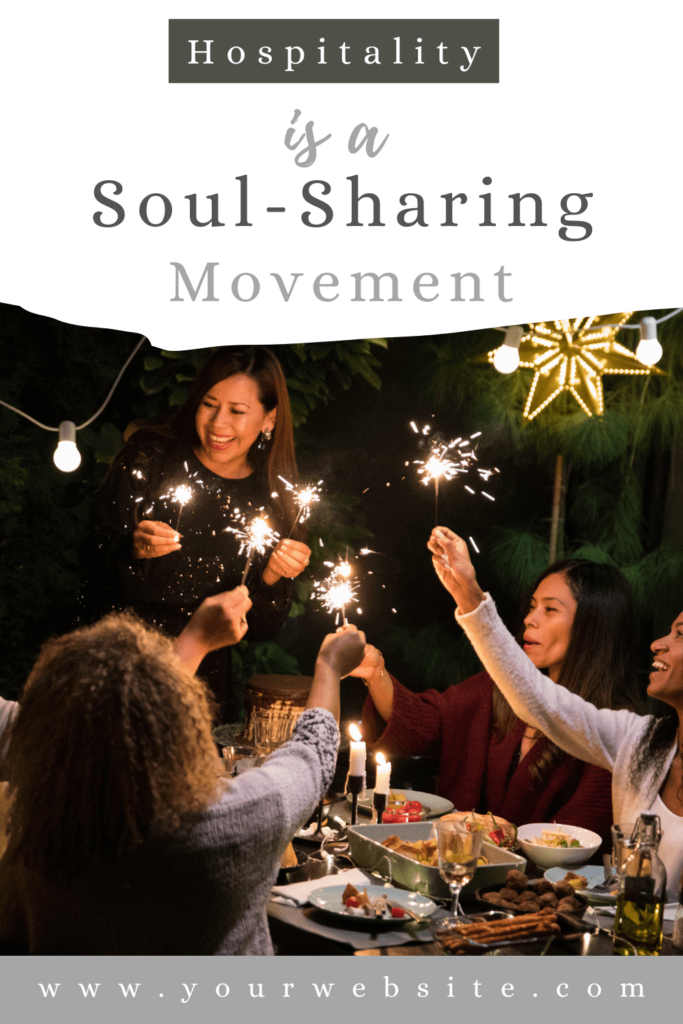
x: 67, y: 456
x: 649, y: 350
x: 506, y: 359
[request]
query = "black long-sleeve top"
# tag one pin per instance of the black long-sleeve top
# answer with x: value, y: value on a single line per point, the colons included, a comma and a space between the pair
x: 165, y: 591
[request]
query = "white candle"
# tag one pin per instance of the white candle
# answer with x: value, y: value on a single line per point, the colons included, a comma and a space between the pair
x: 383, y: 774
x: 357, y: 752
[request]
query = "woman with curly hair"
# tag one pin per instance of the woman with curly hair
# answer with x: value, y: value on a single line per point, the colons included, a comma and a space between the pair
x: 643, y: 752
x: 125, y: 835
x: 231, y: 443
x: 579, y: 627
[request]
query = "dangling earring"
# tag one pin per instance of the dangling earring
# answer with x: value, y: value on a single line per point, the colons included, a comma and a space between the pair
x: 264, y: 440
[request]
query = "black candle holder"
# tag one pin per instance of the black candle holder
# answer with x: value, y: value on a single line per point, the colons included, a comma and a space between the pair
x: 379, y: 805
x: 355, y: 785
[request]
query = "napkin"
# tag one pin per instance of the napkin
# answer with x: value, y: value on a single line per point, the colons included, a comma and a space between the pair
x: 296, y: 895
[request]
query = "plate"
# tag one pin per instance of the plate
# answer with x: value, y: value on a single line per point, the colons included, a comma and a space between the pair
x: 329, y: 898
x: 433, y: 804
x: 594, y: 874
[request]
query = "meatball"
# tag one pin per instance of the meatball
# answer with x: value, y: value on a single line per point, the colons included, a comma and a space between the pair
x: 548, y: 899
x: 562, y: 889
x: 569, y: 905
x: 541, y: 887
x: 529, y: 906
x: 517, y: 881
x: 506, y: 893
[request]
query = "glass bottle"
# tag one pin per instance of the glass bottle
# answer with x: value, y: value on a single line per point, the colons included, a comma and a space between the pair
x: 642, y: 893
x: 677, y: 936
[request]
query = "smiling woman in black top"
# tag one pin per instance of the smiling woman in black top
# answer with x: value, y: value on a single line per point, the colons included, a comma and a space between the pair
x: 229, y: 444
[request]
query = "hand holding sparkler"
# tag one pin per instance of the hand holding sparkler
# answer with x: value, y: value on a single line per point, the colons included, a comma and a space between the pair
x: 152, y: 539
x: 220, y: 621
x: 451, y: 560
x: 289, y: 559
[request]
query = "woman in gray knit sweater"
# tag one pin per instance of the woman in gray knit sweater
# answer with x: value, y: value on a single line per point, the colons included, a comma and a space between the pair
x: 643, y: 752
x: 126, y: 838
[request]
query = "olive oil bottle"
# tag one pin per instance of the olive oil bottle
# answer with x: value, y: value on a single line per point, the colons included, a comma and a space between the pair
x: 642, y: 893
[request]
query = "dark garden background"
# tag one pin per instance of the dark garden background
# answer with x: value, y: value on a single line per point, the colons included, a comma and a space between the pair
x: 621, y: 499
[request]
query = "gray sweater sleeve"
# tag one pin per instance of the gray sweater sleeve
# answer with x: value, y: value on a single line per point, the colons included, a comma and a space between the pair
x: 300, y: 771
x: 574, y: 724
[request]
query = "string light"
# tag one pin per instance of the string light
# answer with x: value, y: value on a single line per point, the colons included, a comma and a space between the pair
x: 67, y: 456
x: 506, y: 358
x: 574, y: 355
x: 649, y: 350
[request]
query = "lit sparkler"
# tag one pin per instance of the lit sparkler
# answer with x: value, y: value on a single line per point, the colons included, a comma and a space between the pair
x: 337, y: 591
x: 255, y: 536
x: 447, y: 459
x: 304, y: 496
x: 182, y: 495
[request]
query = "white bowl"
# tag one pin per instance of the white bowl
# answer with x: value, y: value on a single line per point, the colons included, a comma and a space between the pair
x: 558, y: 856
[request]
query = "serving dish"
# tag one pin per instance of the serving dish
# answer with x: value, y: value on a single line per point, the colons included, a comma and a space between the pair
x: 365, y: 847
x: 558, y: 856
x: 434, y: 805
x: 482, y: 892
x: 329, y: 898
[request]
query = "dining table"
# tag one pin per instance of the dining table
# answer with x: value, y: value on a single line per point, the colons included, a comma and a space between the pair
x: 305, y: 930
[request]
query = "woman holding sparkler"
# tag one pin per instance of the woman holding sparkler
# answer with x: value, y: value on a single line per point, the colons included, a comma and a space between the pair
x: 579, y: 627
x: 187, y: 504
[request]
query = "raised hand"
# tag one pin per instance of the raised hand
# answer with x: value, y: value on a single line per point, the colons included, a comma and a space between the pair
x: 220, y: 621
x: 289, y: 558
x: 453, y: 566
x: 343, y: 652
x: 152, y: 539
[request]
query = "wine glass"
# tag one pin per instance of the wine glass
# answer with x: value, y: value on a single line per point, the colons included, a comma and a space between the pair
x: 459, y: 852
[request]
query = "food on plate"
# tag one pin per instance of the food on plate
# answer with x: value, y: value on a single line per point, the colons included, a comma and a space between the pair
x: 498, y: 831
x: 531, y: 897
x: 576, y: 881
x: 461, y: 939
x: 555, y: 837
x: 398, y: 806
x: 360, y: 904
x: 350, y: 892
x: 398, y: 912
x: 422, y: 850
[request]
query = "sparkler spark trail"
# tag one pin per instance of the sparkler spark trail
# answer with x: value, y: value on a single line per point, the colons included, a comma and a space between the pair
x: 304, y: 496
x: 255, y: 535
x: 337, y: 590
x: 181, y: 494
x: 447, y: 460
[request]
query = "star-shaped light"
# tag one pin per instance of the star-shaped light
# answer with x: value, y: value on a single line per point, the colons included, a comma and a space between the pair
x: 573, y: 356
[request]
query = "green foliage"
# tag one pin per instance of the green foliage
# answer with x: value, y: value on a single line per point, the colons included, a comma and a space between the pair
x: 434, y: 657
x: 519, y: 556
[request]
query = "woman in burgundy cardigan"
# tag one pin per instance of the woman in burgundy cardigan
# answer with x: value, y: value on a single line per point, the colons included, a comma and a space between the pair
x: 579, y: 626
